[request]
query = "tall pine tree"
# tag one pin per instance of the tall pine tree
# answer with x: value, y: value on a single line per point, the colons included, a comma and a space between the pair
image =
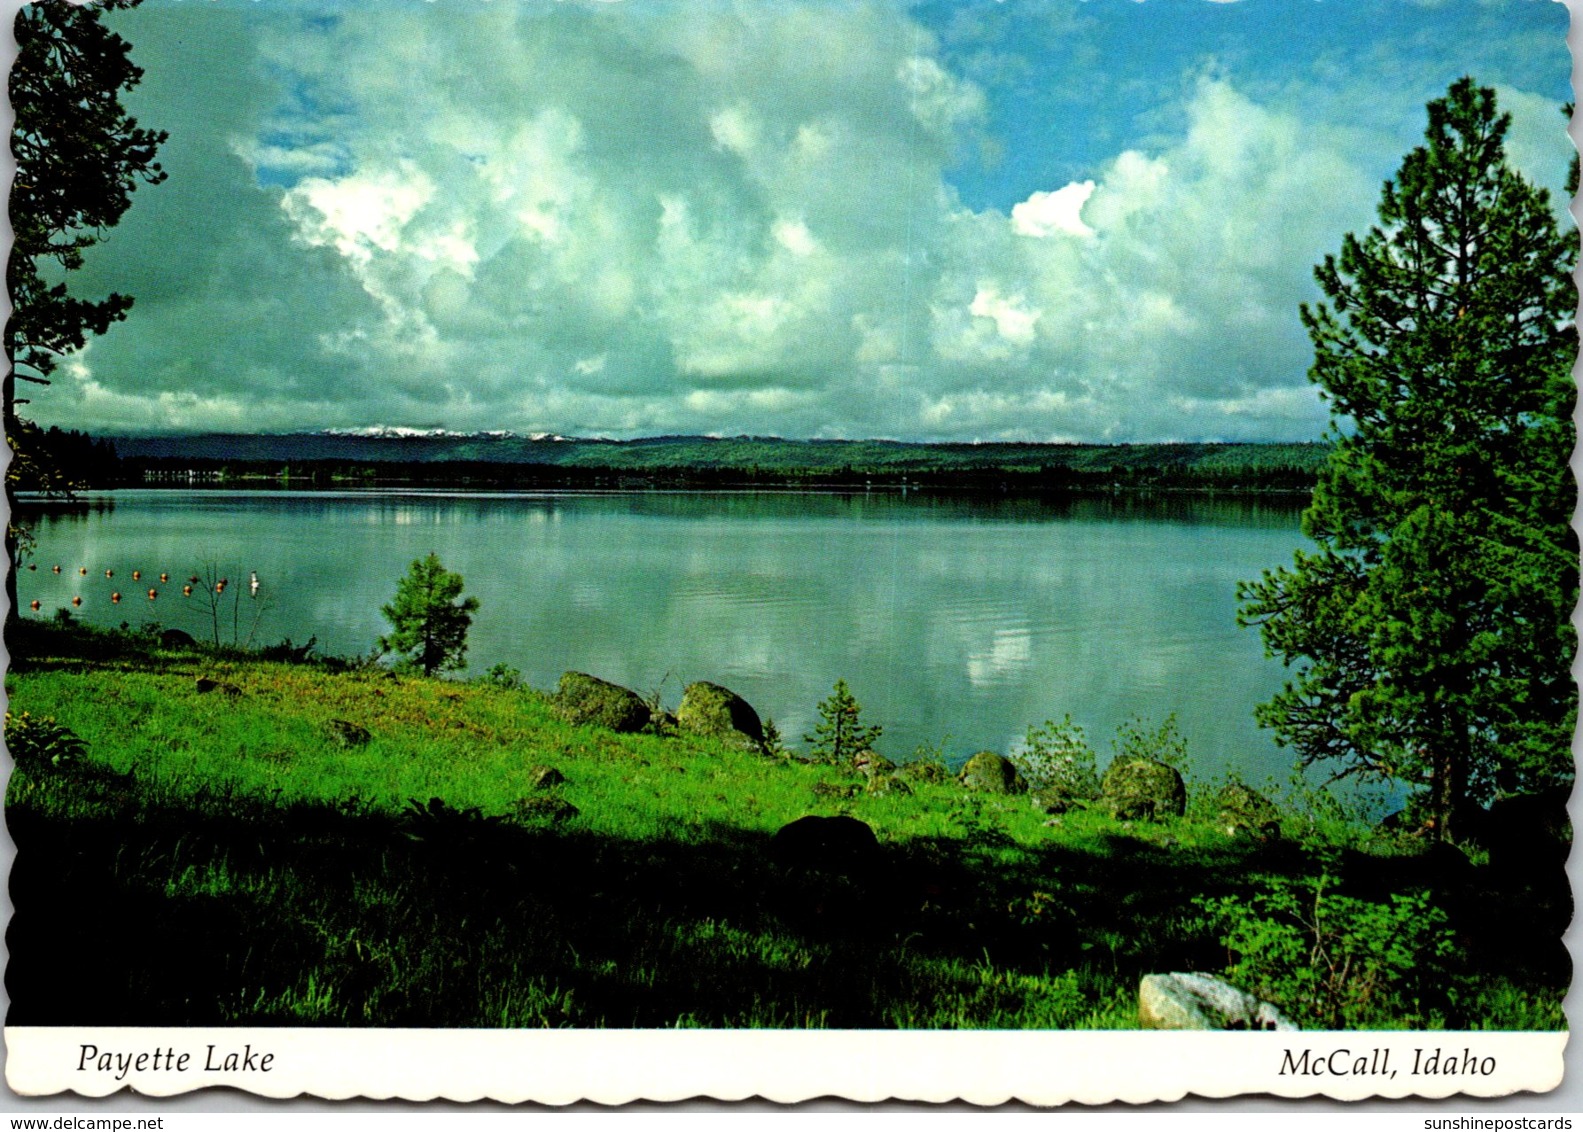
x: 1431, y: 628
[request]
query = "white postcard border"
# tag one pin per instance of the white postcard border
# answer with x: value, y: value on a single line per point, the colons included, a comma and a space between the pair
x: 559, y: 1067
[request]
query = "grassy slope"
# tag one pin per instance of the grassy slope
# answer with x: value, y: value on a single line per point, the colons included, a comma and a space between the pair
x: 226, y: 860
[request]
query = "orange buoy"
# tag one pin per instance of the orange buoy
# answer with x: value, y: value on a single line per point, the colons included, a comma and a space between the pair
x: 219, y: 587
x: 152, y: 594
x: 164, y: 577
x: 83, y: 570
x: 115, y: 599
x: 186, y: 591
x: 76, y: 601
x: 32, y: 565
x: 193, y: 579
x: 57, y: 569
x: 35, y: 605
x: 109, y: 573
x: 137, y: 575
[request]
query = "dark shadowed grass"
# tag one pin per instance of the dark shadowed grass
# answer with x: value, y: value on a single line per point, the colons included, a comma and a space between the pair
x: 222, y: 858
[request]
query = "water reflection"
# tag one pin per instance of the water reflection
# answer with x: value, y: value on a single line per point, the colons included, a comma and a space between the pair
x: 948, y: 615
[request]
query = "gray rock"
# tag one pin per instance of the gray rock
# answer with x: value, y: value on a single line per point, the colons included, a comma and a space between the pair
x: 1244, y: 811
x: 1057, y: 800
x: 709, y: 709
x: 1195, y: 1001
x: 176, y: 639
x: 872, y: 764
x: 888, y: 784
x: 547, y: 808
x: 581, y: 699
x: 992, y: 774
x: 545, y: 777
x: 1140, y: 789
x: 348, y: 734
x: 836, y: 844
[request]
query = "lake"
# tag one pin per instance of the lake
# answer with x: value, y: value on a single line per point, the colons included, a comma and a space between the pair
x: 957, y: 622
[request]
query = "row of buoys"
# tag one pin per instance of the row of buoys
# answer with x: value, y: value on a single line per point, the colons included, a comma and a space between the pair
x: 153, y: 594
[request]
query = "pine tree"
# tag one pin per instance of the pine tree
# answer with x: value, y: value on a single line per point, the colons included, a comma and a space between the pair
x: 840, y: 732
x: 79, y: 157
x: 1431, y: 627
x: 430, y: 624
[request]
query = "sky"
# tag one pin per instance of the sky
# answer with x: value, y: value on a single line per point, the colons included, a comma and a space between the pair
x: 1038, y: 220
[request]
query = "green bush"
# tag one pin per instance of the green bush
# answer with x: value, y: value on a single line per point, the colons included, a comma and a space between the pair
x: 1334, y: 962
x: 38, y: 743
x: 1057, y: 756
x: 502, y: 675
x: 1165, y: 744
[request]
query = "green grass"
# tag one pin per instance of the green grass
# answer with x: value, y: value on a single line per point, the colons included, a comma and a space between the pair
x: 221, y: 858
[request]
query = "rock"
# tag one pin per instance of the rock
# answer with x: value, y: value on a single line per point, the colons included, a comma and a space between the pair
x: 1528, y: 832
x: 1195, y: 1001
x: 1140, y: 789
x: 1057, y: 800
x: 176, y: 639
x: 709, y: 709
x: 871, y: 764
x: 838, y: 791
x: 205, y: 684
x: 348, y: 734
x: 992, y: 773
x: 925, y: 772
x: 888, y: 784
x: 837, y: 844
x: 1243, y: 811
x: 545, y: 777
x: 581, y: 699
x: 548, y: 808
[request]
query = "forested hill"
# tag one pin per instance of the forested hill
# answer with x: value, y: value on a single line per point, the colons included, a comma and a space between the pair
x: 747, y: 460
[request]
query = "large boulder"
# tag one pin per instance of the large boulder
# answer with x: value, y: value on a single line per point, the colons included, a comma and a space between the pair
x: 1525, y: 833
x: 835, y: 844
x: 1194, y: 1001
x: 1137, y: 788
x: 992, y: 774
x: 709, y: 709
x: 1244, y: 811
x: 582, y: 699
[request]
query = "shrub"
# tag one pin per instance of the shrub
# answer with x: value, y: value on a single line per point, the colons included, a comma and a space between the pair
x: 1057, y: 756
x: 840, y: 733
x: 502, y: 675
x: 39, y: 743
x: 1165, y: 744
x: 1334, y: 962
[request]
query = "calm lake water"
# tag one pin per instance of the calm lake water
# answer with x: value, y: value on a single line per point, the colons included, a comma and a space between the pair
x: 955, y: 621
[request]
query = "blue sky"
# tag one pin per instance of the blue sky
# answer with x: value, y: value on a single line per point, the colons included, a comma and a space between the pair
x: 989, y: 219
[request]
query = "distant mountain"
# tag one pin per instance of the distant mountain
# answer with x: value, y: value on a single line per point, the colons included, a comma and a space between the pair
x: 382, y: 444
x: 433, y: 456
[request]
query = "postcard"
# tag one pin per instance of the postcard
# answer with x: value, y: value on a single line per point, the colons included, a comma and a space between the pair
x: 998, y: 550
